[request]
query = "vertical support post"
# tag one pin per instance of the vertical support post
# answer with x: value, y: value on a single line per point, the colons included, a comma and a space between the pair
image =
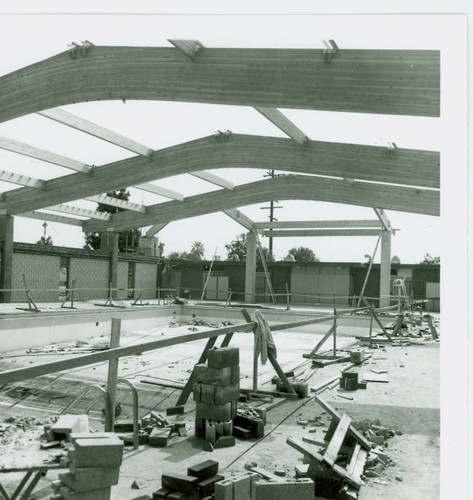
x: 335, y: 332
x: 371, y: 323
x: 109, y: 243
x: 288, y: 300
x: 250, y: 267
x: 385, y: 269
x: 6, y: 257
x: 113, y: 375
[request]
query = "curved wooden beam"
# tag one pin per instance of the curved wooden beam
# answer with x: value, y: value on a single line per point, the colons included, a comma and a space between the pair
x: 290, y: 187
x: 398, y: 82
x: 369, y: 163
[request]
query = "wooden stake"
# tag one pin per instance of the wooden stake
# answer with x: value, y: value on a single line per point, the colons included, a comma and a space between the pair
x: 113, y: 375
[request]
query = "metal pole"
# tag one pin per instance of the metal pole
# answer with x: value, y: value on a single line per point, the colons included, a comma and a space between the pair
x: 335, y: 332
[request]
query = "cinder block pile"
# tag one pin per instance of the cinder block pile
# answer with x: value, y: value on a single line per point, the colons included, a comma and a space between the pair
x: 199, y: 483
x: 157, y: 430
x: 216, y: 393
x: 94, y: 466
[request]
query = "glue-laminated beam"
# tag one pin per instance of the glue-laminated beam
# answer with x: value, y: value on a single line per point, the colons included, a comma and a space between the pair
x: 370, y: 163
x: 318, y: 224
x: 383, y: 218
x: 279, y: 188
x: 320, y: 232
x: 213, y: 179
x: 116, y: 202
x: 155, y: 229
x: 167, y: 193
x: 283, y: 123
x: 83, y: 212
x: 41, y: 154
x: 399, y: 82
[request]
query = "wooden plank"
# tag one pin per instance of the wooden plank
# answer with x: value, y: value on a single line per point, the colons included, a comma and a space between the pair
x: 155, y: 229
x: 241, y: 218
x: 314, y: 455
x: 266, y: 474
x: 420, y: 168
x: 214, y: 179
x: 41, y: 154
x: 318, y: 224
x: 152, y: 188
x: 283, y: 123
x: 376, y: 318
x: 351, y: 430
x: 78, y: 123
x: 115, y: 202
x: 375, y: 377
x: 320, y: 232
x: 321, y: 342
x: 83, y: 212
x: 112, y: 375
x: 400, y: 82
x: 383, y: 218
x: 28, y: 372
x: 190, y: 382
x: 287, y: 385
x: 331, y: 453
x: 21, y: 180
x: 295, y: 324
x: 60, y: 219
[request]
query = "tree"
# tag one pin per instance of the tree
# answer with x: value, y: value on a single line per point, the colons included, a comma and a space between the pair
x: 45, y: 240
x: 126, y: 240
x: 303, y: 254
x: 236, y: 250
x: 197, y: 251
x: 429, y: 260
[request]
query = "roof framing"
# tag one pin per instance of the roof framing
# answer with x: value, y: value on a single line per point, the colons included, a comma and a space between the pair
x: 241, y: 218
x: 399, y: 82
x: 283, y: 123
x: 291, y: 187
x: 53, y: 218
x: 316, y: 224
x: 368, y: 163
x: 321, y: 232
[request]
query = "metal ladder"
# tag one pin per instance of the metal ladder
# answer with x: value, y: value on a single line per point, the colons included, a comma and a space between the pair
x: 265, y: 267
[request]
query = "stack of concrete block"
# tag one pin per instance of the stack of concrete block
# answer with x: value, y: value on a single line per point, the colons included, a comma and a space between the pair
x: 94, y: 466
x: 250, y: 486
x: 65, y: 425
x: 216, y: 393
x: 199, y: 483
x: 158, y: 430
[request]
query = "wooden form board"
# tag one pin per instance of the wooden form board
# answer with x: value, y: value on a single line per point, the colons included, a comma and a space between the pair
x: 400, y: 82
x: 370, y: 163
x: 331, y: 453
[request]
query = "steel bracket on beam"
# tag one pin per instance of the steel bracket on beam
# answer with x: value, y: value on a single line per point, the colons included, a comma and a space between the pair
x: 188, y: 47
x: 330, y: 51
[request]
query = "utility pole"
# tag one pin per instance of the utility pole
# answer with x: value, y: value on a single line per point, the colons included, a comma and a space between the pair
x: 45, y: 226
x: 270, y: 173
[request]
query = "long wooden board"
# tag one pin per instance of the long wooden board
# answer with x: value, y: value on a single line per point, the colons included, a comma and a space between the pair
x: 331, y: 454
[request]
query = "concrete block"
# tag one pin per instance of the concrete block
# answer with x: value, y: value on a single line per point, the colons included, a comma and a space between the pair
x: 223, y: 357
x: 175, y: 410
x: 197, y: 392
x: 302, y: 489
x: 254, y: 424
x: 207, y: 486
x: 67, y: 424
x: 242, y: 487
x: 199, y: 427
x: 90, y: 479
x: 98, y: 452
x: 143, y: 438
x: 225, y: 442
x: 210, y: 432
x: 90, y: 435
x: 226, y: 394
x: 203, y: 470
x: 123, y: 425
x: 357, y: 357
x: 224, y: 490
x: 208, y: 411
x: 221, y: 377
x: 180, y: 482
x: 68, y: 494
x: 241, y: 432
x: 207, y: 393
x: 235, y: 376
x: 219, y: 428
x: 161, y: 493
x: 228, y: 428
x: 159, y: 436
x: 301, y: 470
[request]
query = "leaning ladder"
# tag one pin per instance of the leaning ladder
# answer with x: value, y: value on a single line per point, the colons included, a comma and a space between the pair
x: 265, y: 267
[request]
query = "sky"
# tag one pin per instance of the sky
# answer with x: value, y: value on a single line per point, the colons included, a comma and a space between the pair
x: 162, y: 124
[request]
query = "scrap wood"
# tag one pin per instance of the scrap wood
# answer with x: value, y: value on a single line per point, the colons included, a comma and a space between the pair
x: 314, y: 455
x: 266, y: 474
x: 336, y: 417
x: 375, y: 377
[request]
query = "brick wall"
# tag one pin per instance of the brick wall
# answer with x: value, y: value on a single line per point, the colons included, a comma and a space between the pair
x: 41, y: 271
x: 90, y: 273
x: 145, y: 277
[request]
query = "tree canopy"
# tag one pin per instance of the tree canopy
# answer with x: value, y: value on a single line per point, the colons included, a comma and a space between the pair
x: 303, y: 254
x: 127, y: 240
x: 236, y: 250
x: 196, y: 253
x: 430, y: 260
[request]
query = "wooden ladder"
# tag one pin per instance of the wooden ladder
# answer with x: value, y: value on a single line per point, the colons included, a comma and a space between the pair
x: 265, y: 267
